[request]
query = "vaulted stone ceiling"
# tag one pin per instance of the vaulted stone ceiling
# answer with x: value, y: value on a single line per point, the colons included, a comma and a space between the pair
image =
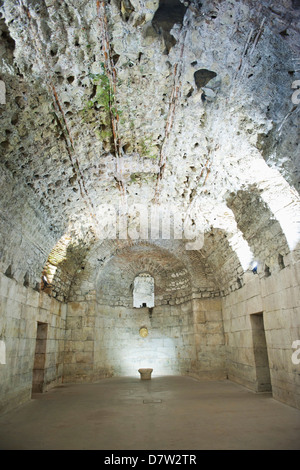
x: 183, y: 105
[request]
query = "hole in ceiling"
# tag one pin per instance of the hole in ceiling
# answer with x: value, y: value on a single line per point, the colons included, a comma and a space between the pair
x: 126, y: 9
x: 169, y: 12
x: 203, y: 76
x: 6, y: 38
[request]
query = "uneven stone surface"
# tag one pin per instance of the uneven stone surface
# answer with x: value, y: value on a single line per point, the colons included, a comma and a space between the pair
x: 114, y: 100
x: 21, y: 309
x: 153, y: 137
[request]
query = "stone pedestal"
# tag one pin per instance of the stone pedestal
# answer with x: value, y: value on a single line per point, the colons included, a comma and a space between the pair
x: 145, y: 374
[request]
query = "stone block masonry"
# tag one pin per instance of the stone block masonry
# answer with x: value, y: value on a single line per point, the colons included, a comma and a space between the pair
x: 175, y: 343
x: 104, y: 112
x: 21, y: 309
x: 277, y: 299
x: 204, y: 337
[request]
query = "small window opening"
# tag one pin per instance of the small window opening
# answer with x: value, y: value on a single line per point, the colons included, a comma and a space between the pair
x: 267, y: 271
x: 280, y: 261
x: 26, y: 280
x: 8, y: 272
x: 143, y: 291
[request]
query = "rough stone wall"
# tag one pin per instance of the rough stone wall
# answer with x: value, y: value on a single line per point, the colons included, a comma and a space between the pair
x: 115, y: 343
x: 104, y: 340
x: 103, y: 327
x: 26, y: 236
x: 168, y: 348
x: 106, y: 270
x: 114, y: 283
x: 226, y: 266
x: 20, y: 310
x: 209, y: 339
x: 198, y: 115
x: 207, y: 135
x: 107, y: 274
x: 277, y: 297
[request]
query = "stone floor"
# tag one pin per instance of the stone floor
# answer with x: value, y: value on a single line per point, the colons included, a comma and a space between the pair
x: 165, y: 413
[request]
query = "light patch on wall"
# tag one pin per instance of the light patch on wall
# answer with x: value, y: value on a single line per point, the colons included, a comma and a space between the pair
x: 158, y: 354
x: 57, y: 256
x: 51, y: 270
x: 143, y: 291
x: 2, y: 352
x: 282, y: 200
x: 242, y: 249
x: 290, y: 227
x: 222, y: 217
x: 285, y: 205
